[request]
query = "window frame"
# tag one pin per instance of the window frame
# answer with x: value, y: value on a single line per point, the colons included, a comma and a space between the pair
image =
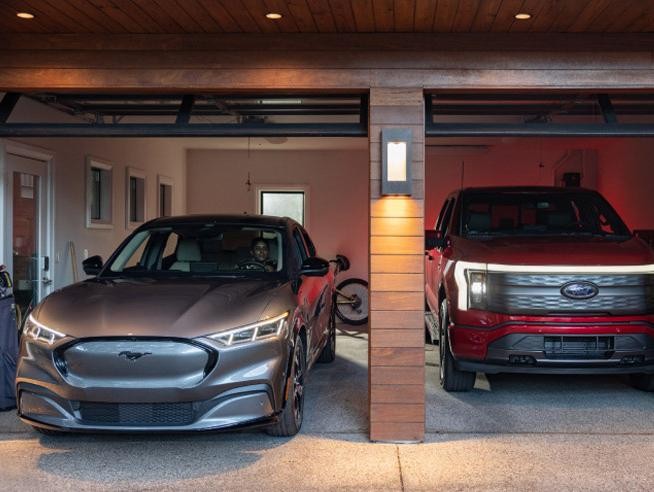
x: 93, y: 162
x: 133, y: 172
x: 165, y: 181
x: 259, y: 189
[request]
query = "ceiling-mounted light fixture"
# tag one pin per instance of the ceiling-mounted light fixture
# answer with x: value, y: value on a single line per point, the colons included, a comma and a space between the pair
x: 273, y: 15
x: 523, y: 16
x: 25, y: 15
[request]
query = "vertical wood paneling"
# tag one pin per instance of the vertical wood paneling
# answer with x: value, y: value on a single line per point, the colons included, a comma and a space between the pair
x: 396, y: 360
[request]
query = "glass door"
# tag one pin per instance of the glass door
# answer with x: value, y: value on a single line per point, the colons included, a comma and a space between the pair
x: 30, y: 265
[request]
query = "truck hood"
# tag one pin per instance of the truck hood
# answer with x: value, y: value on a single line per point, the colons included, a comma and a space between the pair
x: 157, y: 308
x: 562, y: 250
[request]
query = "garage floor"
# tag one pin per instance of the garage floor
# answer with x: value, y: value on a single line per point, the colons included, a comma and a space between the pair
x: 546, y: 433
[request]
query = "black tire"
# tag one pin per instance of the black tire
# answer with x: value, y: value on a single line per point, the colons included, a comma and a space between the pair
x: 290, y: 420
x: 644, y: 382
x: 353, y: 314
x: 451, y: 379
x: 328, y: 353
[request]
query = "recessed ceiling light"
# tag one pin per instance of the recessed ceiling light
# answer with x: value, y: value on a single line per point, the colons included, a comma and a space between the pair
x: 522, y: 16
x: 273, y: 15
x: 25, y: 15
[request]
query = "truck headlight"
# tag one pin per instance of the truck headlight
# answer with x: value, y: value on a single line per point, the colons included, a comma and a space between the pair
x: 262, y: 330
x: 476, y: 289
x: 41, y: 333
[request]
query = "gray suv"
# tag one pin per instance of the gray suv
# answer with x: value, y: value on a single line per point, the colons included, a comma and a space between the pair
x: 194, y: 323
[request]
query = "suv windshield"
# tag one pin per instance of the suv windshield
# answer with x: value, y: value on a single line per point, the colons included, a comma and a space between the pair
x: 197, y: 250
x: 526, y: 213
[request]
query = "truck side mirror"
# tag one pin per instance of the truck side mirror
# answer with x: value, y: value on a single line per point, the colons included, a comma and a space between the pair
x: 434, y: 239
x: 92, y: 265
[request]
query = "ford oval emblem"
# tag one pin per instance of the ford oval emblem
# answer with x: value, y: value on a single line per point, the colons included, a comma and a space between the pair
x: 579, y: 290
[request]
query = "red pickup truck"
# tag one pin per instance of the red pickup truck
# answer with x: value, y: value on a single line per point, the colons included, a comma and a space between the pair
x: 538, y: 280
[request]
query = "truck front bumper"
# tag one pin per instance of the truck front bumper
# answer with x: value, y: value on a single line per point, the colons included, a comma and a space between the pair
x: 537, y: 347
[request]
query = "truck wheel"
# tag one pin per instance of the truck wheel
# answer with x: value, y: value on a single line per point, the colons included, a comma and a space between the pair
x: 644, y: 382
x: 451, y: 378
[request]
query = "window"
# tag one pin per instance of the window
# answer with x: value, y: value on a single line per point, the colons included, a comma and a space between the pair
x: 165, y: 191
x: 201, y: 249
x: 135, y: 193
x: 99, y: 192
x: 283, y: 202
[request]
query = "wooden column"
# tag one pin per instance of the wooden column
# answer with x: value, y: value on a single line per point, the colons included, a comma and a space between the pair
x: 396, y: 356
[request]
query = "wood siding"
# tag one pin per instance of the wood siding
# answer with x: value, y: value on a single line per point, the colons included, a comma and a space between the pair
x: 397, y: 357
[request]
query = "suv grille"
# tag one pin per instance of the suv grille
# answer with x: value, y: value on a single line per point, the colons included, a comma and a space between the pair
x: 137, y: 414
x: 521, y: 293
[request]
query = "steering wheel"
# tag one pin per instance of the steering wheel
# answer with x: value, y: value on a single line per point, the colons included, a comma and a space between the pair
x: 252, y: 265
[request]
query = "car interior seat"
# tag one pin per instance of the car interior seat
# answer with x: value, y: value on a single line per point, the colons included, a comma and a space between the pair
x: 188, y: 251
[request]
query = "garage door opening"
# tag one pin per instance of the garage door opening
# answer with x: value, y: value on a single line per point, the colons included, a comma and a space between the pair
x: 112, y: 162
x: 564, y: 141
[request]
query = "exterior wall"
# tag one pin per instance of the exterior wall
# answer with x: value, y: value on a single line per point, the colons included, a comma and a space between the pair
x: 397, y: 325
x: 336, y: 179
x: 154, y: 156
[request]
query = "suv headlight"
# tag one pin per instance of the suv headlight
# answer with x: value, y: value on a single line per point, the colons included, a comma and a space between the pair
x: 262, y: 330
x: 41, y: 333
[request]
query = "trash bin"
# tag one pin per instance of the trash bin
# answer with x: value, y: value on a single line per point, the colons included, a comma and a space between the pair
x: 8, y: 344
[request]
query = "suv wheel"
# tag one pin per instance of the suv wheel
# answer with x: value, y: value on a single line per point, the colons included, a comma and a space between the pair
x: 643, y: 382
x: 290, y: 420
x: 328, y: 353
x: 451, y: 378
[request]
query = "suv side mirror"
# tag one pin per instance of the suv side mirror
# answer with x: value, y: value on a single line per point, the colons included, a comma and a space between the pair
x: 434, y: 239
x: 92, y: 265
x: 314, y: 267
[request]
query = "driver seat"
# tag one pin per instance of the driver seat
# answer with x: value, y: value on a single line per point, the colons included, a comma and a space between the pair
x: 188, y: 251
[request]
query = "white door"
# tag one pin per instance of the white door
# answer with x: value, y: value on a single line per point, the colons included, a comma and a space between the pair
x: 26, y: 242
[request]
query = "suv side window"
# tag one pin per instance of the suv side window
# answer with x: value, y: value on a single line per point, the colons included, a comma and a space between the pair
x: 299, y: 245
x: 308, y: 242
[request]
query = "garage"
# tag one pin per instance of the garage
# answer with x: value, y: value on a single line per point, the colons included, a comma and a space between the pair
x: 369, y: 114
x: 530, y: 140
x: 127, y: 159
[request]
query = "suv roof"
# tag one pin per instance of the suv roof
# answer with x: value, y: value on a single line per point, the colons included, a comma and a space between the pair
x: 266, y: 220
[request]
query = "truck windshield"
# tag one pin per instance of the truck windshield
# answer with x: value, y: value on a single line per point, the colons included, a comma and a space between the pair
x: 490, y: 214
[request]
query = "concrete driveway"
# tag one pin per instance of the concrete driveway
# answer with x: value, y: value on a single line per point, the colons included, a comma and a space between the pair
x: 511, y: 432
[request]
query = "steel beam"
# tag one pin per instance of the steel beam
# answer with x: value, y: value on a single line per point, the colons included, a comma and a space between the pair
x: 539, y: 129
x: 7, y: 105
x: 184, y: 130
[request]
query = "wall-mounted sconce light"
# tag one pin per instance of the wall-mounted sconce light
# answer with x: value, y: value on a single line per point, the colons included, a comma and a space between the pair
x: 396, y: 161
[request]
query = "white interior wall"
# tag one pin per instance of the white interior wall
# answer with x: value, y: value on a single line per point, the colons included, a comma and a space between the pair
x: 154, y: 156
x: 338, y: 192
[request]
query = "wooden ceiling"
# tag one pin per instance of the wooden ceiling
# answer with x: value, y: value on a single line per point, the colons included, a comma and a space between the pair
x: 325, y: 16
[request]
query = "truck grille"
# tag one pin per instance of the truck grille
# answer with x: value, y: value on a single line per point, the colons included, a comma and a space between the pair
x: 136, y: 414
x: 522, y: 293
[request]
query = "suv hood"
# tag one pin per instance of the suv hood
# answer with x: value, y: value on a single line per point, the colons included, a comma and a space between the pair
x: 561, y: 250
x: 160, y: 308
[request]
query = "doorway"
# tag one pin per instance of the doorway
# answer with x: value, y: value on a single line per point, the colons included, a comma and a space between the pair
x: 27, y: 242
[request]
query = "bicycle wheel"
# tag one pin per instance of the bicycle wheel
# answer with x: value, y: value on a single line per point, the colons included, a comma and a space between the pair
x: 352, y: 301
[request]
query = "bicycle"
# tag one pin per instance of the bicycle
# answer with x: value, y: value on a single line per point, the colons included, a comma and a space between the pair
x: 351, y: 296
